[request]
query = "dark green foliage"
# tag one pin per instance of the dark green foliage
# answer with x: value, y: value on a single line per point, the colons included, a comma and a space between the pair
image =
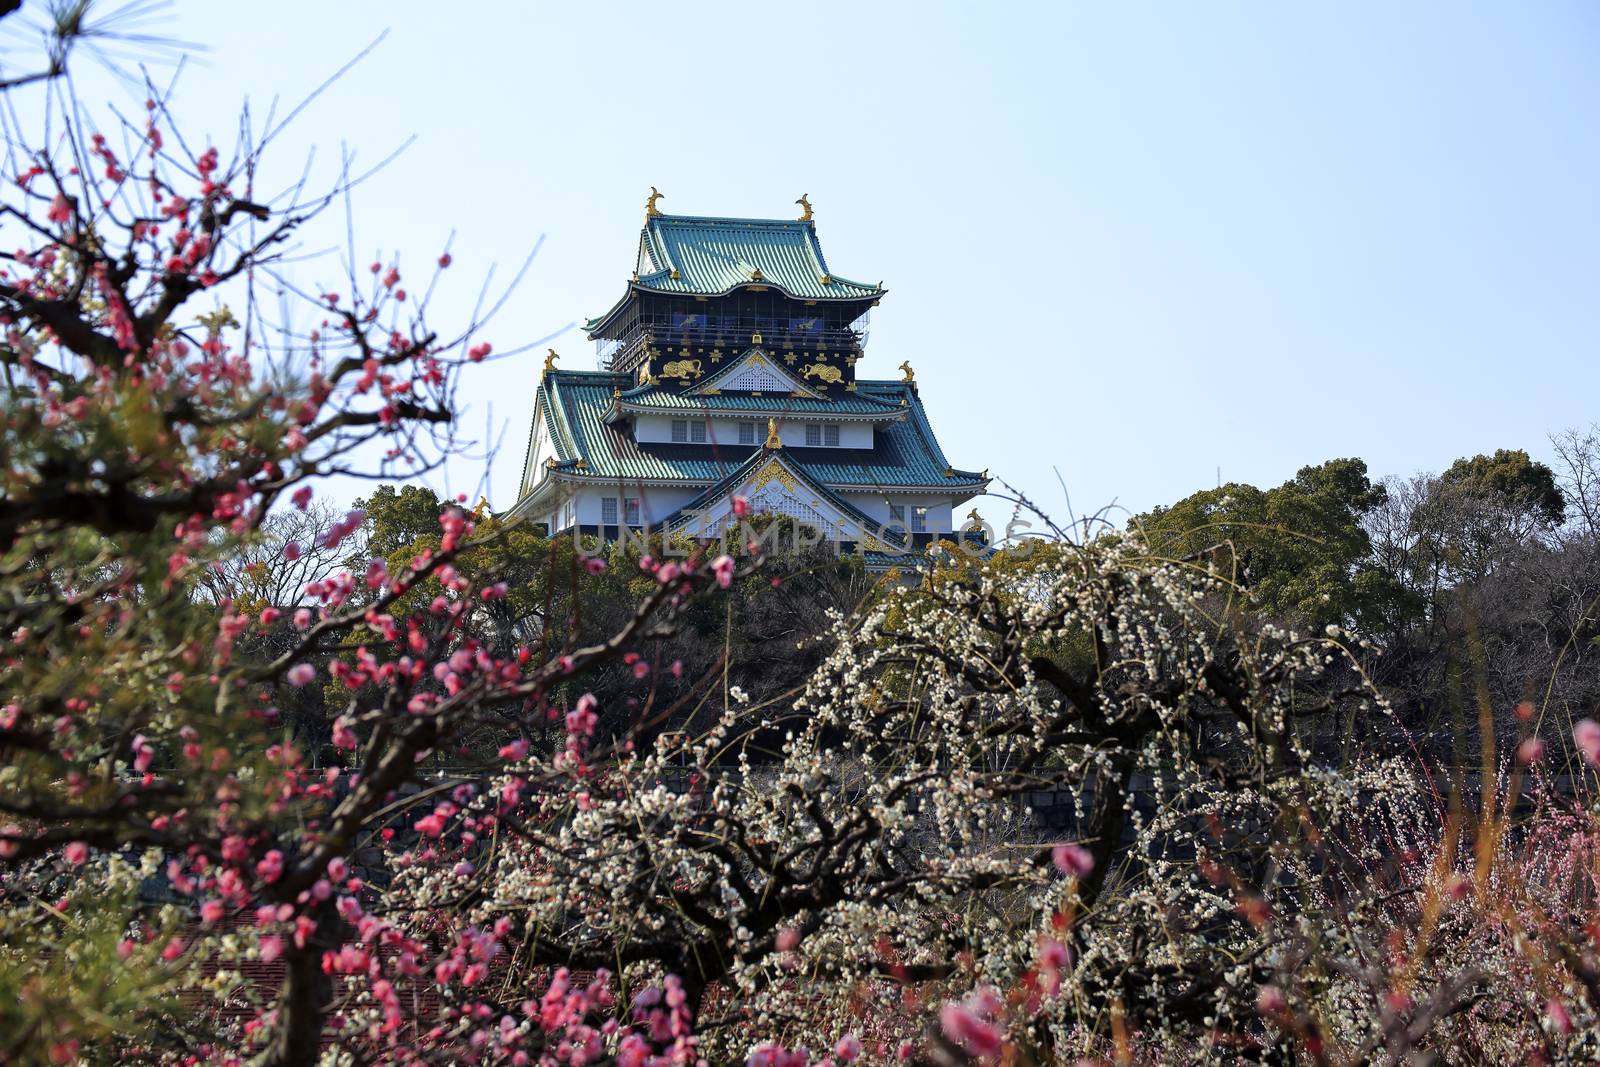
x: 1468, y: 574
x: 1511, y: 479
x: 1299, y: 550
x: 1484, y: 509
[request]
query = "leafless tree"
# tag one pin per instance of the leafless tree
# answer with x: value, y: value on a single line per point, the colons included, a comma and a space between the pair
x: 290, y: 552
x: 1578, y: 468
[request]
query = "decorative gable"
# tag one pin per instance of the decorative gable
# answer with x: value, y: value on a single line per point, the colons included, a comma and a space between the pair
x: 755, y: 372
x: 756, y: 375
x: 771, y: 485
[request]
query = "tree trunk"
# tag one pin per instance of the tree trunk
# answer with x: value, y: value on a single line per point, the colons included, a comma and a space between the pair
x: 306, y: 995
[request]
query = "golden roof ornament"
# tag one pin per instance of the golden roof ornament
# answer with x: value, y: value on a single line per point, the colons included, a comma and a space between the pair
x: 550, y: 360
x: 650, y: 209
x: 773, y: 440
x: 975, y: 517
x: 911, y: 375
x: 805, y: 203
x: 481, y: 510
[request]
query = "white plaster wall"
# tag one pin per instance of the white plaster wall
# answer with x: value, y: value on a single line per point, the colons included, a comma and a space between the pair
x: 856, y: 434
x: 657, y: 429
x: 792, y: 432
x: 582, y: 507
x: 656, y: 502
x: 940, y: 510
x: 851, y: 434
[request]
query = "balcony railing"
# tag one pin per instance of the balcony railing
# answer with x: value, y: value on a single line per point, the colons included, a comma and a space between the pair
x: 729, y: 332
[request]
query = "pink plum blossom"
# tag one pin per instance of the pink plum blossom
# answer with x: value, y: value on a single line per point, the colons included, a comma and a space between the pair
x: 964, y: 1026
x: 1270, y: 1000
x: 1586, y: 735
x: 1557, y: 1013
x: 1075, y: 861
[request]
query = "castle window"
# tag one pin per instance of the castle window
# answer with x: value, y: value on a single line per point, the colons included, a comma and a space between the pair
x: 697, y: 432
x: 747, y: 433
x: 608, y: 510
x: 630, y: 507
x: 813, y: 434
x: 897, y: 513
x: 919, y: 520
x: 830, y: 436
x: 680, y: 431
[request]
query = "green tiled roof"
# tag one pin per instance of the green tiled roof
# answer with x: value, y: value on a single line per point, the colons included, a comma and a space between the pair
x: 575, y: 405
x: 712, y: 256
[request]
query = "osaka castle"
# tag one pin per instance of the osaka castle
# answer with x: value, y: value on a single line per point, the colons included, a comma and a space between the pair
x: 729, y: 368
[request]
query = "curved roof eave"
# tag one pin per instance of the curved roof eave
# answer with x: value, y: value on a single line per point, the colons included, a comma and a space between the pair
x: 570, y: 476
x: 869, y: 293
x: 591, y: 326
x: 622, y: 407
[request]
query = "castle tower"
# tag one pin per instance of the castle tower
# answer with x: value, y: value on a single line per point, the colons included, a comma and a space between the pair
x: 729, y: 368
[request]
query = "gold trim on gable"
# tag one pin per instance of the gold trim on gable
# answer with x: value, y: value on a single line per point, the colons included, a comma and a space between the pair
x: 773, y: 472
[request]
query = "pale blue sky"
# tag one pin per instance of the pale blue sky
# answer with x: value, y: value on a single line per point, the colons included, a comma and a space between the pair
x: 1134, y: 242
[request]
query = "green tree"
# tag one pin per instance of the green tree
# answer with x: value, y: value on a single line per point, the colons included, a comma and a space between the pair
x: 1482, y: 510
x: 1299, y: 550
x: 1514, y: 480
x: 403, y: 521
